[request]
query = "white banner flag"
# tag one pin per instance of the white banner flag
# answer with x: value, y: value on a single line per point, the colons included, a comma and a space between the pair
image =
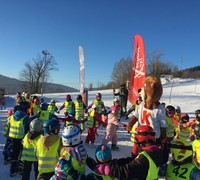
x: 82, y: 69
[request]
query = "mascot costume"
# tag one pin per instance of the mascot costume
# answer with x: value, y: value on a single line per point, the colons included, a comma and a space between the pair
x: 150, y: 112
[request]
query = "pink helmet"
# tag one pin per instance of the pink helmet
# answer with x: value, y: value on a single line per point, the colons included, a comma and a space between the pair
x: 68, y: 96
x: 10, y: 112
x: 114, y: 108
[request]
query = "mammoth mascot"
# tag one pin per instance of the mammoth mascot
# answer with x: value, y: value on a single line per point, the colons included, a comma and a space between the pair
x: 150, y: 111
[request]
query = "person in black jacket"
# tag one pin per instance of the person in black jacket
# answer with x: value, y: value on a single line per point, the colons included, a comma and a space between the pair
x: 145, y: 165
x: 123, y: 97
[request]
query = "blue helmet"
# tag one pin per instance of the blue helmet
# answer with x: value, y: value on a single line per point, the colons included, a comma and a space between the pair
x: 43, y: 106
x: 51, y: 126
x: 71, y: 112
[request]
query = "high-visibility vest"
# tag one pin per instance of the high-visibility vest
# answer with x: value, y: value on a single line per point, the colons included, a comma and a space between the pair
x: 16, y: 128
x: 51, y: 108
x: 80, y: 167
x: 29, y: 149
x: 44, y: 115
x: 170, y: 127
x: 47, y: 156
x: 79, y: 110
x: 196, y: 150
x: 68, y: 106
x: 36, y: 108
x: 7, y: 126
x: 99, y: 105
x: 90, y: 121
x: 183, y: 133
x: 153, y: 169
x: 179, y: 172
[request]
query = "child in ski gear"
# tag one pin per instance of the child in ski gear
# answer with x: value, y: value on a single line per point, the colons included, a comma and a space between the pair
x: 196, y: 145
x: 48, y: 149
x: 116, y: 103
x: 93, y: 123
x: 44, y: 114
x: 29, y: 143
x: 111, y: 128
x: 145, y: 165
x: 17, y: 126
x: 177, y: 115
x: 35, y: 106
x: 52, y: 108
x: 101, y: 108
x: 80, y: 109
x: 72, y: 162
x: 8, y: 145
x: 181, y: 166
x: 67, y: 105
x: 70, y: 119
x: 101, y: 166
x: 184, y: 127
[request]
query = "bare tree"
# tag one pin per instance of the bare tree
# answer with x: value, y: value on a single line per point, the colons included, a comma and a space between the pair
x: 122, y: 71
x: 157, y: 67
x: 36, y: 74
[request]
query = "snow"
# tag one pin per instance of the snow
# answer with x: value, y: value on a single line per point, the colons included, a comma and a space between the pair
x: 178, y: 92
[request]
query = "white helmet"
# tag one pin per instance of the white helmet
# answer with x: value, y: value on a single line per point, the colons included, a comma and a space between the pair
x: 115, y: 100
x: 71, y: 135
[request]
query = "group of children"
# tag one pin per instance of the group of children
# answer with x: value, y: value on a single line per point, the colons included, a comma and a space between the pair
x: 64, y: 156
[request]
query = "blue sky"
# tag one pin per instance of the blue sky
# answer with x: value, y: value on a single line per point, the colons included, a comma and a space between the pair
x: 104, y: 29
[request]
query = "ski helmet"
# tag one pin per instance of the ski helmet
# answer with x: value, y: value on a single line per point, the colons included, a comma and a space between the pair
x: 24, y: 106
x: 53, y: 101
x: 144, y: 133
x: 170, y: 110
x: 98, y: 95
x: 114, y: 108
x: 197, y: 130
x: 43, y: 106
x: 184, y: 118
x: 79, y: 98
x: 115, y: 100
x: 10, y: 112
x: 197, y: 114
x: 180, y: 154
x: 51, y: 126
x: 177, y: 109
x: 68, y: 97
x: 71, y: 135
x: 36, y: 126
x: 71, y: 112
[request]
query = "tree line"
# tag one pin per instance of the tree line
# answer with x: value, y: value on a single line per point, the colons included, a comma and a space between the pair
x: 36, y: 73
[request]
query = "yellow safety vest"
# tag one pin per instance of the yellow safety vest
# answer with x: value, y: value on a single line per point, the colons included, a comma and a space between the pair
x: 153, y: 169
x: 47, y: 156
x: 99, y: 105
x: 170, y: 127
x: 79, y: 110
x: 36, y: 108
x: 175, y: 172
x: 7, y: 126
x: 196, y: 150
x: 90, y: 120
x: 75, y: 164
x: 183, y: 133
x: 68, y: 106
x: 29, y: 149
x: 16, y: 128
x: 44, y: 115
x: 51, y: 108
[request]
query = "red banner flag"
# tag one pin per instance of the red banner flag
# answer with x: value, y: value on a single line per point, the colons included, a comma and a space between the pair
x: 138, y: 69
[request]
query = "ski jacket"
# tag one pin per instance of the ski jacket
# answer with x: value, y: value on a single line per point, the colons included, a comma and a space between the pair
x: 47, y: 152
x: 69, y: 105
x: 29, y: 148
x: 138, y: 168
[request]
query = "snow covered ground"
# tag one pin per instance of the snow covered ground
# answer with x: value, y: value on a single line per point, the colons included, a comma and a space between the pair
x: 182, y: 92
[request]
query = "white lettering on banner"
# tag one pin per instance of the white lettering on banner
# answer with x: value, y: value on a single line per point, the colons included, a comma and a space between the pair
x: 139, y: 65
